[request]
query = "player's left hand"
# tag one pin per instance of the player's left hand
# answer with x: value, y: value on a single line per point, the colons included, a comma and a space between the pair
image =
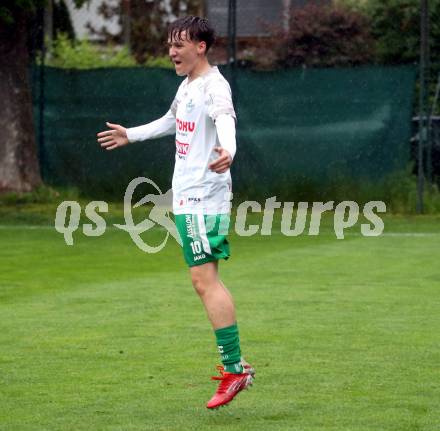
x: 223, y: 163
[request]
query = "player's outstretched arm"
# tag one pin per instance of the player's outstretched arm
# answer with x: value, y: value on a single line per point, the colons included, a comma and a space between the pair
x: 163, y: 126
x: 113, y: 138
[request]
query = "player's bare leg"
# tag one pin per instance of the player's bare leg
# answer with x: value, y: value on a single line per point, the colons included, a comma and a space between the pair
x: 220, y: 308
x: 214, y: 295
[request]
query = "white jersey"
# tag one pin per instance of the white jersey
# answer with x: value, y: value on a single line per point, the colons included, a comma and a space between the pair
x: 197, y: 104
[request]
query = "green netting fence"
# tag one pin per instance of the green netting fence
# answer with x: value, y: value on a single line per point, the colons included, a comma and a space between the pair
x: 302, y: 133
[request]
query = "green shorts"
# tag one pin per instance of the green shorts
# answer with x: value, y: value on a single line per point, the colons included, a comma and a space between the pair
x: 203, y: 237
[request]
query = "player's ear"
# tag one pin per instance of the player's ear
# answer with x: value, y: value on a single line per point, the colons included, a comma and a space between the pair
x: 201, y: 48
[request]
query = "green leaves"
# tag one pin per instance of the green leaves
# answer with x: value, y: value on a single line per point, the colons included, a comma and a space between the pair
x: 325, y: 36
x: 82, y: 54
x: 10, y: 9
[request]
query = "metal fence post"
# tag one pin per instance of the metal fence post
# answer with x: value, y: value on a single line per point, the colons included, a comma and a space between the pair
x: 422, y: 102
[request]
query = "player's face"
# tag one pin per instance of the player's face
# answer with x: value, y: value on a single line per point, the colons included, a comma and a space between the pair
x: 185, y: 54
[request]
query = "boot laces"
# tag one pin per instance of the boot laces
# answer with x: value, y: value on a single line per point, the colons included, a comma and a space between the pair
x: 221, y: 370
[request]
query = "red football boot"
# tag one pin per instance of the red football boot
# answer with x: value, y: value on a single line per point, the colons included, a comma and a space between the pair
x: 230, y: 385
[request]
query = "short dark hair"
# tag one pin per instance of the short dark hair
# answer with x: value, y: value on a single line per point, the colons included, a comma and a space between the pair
x: 197, y: 29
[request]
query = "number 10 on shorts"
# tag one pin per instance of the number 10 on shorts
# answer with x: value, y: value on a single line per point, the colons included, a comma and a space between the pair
x: 196, y: 247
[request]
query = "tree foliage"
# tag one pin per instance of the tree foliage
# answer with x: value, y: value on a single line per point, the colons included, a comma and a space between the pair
x: 324, y: 36
x: 395, y: 27
x: 82, y: 54
x: 351, y: 32
x: 148, y: 23
x: 61, y: 20
x: 10, y: 9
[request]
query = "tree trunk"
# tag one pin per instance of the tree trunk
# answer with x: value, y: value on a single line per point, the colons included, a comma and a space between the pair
x: 19, y: 168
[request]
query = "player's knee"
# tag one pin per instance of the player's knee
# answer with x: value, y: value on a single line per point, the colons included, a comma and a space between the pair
x: 202, y: 281
x: 204, y: 278
x: 199, y: 283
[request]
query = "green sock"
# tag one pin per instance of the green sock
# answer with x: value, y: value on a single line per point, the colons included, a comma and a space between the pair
x: 228, y: 343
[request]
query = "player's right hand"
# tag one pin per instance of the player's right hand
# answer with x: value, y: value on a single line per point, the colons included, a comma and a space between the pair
x: 114, y: 138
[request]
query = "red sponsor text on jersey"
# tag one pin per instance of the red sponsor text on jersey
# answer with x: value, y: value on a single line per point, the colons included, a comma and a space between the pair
x: 182, y: 148
x: 185, y: 126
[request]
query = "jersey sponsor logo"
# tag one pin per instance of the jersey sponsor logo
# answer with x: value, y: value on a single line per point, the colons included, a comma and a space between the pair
x: 182, y: 148
x: 185, y: 126
x: 194, y: 200
x: 189, y: 226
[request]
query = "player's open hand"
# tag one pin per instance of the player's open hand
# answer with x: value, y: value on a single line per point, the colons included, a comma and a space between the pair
x: 223, y: 163
x: 114, y: 138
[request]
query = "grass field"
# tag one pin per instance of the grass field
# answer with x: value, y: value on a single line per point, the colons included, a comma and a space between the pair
x: 344, y: 334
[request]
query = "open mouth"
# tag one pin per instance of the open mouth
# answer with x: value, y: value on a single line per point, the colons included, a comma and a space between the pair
x: 177, y: 62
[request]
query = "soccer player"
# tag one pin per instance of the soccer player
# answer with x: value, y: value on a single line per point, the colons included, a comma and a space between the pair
x: 203, y: 119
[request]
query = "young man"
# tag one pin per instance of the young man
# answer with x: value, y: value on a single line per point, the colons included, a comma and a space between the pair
x: 202, y: 117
